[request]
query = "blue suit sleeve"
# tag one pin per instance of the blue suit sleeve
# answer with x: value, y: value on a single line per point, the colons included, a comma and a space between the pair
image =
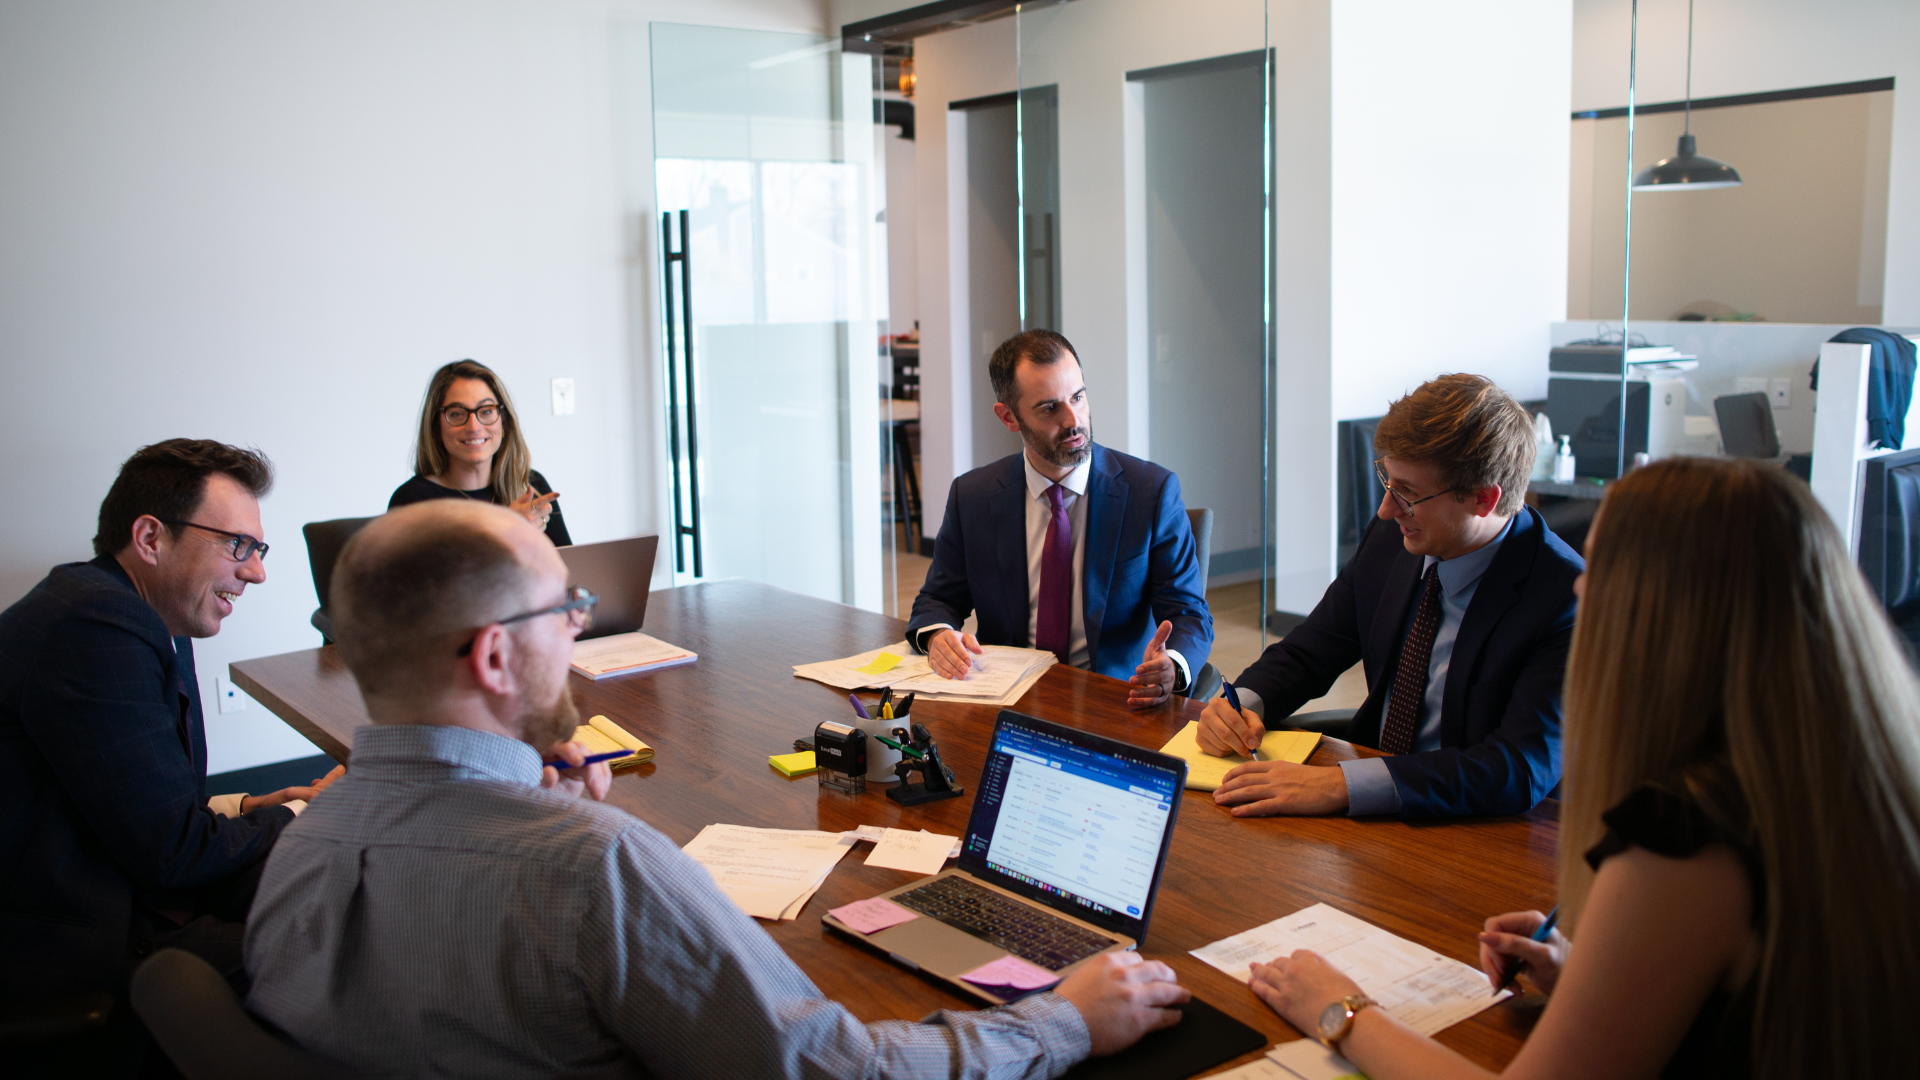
x: 1175, y: 590
x: 945, y: 597
x: 103, y: 715
x: 1513, y: 769
x: 1304, y: 664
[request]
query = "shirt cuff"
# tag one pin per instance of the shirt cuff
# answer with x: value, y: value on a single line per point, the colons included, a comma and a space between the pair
x: 228, y: 805
x: 1186, y: 674
x: 295, y: 805
x: 922, y: 634
x: 1249, y: 701
x: 1370, y: 788
x: 1053, y: 1022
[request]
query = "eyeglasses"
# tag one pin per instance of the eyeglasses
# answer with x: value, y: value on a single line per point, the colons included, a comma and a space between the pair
x: 239, y: 545
x: 578, y: 609
x: 456, y: 415
x: 1405, y: 506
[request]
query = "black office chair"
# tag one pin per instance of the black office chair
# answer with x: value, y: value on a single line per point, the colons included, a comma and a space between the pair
x: 195, y: 1017
x: 324, y: 541
x: 1206, y: 681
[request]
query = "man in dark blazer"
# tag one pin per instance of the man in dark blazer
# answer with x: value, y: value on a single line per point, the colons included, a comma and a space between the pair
x: 112, y: 848
x: 1460, y: 604
x: 1066, y: 546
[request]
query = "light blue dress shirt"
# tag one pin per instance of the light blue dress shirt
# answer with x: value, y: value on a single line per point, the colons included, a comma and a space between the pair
x: 1370, y: 787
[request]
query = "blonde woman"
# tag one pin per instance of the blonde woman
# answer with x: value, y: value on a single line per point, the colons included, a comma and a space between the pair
x: 1740, y: 845
x: 470, y: 448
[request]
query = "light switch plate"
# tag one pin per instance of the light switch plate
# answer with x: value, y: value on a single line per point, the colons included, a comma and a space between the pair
x: 563, y: 397
x: 1781, y: 391
x: 231, y: 699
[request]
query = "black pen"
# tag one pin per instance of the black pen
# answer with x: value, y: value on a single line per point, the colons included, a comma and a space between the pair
x: 906, y: 706
x: 1233, y: 702
x: 1514, y: 966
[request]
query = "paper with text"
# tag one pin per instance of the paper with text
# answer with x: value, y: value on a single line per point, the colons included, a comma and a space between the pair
x: 996, y: 673
x: 1308, y: 1059
x: 914, y: 852
x: 1422, y: 989
x: 770, y: 873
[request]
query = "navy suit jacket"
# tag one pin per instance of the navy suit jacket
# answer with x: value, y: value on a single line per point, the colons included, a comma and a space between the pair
x: 103, y: 769
x: 1142, y: 565
x: 1500, y: 713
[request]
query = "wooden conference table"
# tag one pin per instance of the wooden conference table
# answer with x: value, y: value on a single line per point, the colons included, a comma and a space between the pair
x: 714, y: 723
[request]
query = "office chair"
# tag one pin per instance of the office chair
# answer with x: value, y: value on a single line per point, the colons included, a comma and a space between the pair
x: 1206, y: 681
x: 324, y: 541
x: 195, y: 1017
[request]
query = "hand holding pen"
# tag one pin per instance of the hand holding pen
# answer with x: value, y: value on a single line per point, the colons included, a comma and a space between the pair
x: 1523, y: 940
x: 570, y: 769
x: 1233, y: 702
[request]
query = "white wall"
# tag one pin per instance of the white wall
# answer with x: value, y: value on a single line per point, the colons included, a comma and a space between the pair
x: 267, y: 224
x: 1750, y: 46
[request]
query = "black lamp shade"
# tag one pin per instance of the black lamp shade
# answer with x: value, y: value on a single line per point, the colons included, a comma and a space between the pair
x: 1687, y: 171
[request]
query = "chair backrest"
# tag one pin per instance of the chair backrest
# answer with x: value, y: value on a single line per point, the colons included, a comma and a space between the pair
x: 324, y: 541
x: 195, y: 1017
x: 1201, y: 519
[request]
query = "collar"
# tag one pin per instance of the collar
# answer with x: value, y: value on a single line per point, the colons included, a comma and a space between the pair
x: 392, y: 751
x: 1462, y: 571
x: 1037, y: 485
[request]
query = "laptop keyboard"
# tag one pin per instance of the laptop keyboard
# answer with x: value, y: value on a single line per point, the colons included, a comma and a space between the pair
x: 1021, y: 929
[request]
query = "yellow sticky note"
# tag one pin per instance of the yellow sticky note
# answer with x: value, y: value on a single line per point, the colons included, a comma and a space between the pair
x: 1206, y: 772
x: 885, y: 662
x: 799, y: 764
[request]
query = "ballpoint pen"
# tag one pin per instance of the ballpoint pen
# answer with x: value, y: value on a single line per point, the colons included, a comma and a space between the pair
x: 561, y: 763
x: 906, y: 706
x: 1514, y: 965
x: 1233, y: 702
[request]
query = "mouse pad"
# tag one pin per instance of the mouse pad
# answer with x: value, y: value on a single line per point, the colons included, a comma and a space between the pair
x: 1204, y: 1038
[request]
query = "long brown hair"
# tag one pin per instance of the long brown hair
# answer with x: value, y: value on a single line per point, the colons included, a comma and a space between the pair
x: 1727, y: 649
x: 511, y: 462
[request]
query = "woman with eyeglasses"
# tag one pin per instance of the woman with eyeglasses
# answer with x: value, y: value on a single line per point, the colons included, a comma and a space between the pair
x: 1740, y: 842
x: 470, y: 447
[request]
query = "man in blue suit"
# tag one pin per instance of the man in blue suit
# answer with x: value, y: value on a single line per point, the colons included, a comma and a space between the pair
x: 112, y: 848
x: 1067, y: 546
x: 1459, y: 602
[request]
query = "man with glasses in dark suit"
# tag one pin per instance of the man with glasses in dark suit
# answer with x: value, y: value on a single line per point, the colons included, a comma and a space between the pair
x: 1460, y: 604
x: 112, y: 847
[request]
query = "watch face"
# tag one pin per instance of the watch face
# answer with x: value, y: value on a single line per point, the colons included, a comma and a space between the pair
x: 1333, y: 1018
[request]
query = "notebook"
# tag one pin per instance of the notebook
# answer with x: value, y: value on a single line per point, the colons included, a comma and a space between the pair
x: 1206, y: 772
x: 626, y: 654
x: 602, y: 736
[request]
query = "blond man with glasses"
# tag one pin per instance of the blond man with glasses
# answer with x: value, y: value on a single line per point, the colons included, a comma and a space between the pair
x: 1459, y: 602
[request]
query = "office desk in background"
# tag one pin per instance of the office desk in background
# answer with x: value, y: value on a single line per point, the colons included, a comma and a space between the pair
x: 714, y: 723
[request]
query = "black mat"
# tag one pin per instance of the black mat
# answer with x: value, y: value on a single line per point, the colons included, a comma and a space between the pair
x: 1204, y: 1038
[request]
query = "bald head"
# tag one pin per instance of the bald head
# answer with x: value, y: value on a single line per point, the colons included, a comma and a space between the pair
x: 414, y: 582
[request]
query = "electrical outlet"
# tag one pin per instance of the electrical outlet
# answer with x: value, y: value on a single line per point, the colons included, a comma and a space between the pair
x: 1781, y: 391
x: 231, y: 699
x: 563, y: 397
x: 1748, y: 384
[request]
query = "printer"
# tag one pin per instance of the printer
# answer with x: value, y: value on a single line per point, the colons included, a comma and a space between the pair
x: 1584, y: 385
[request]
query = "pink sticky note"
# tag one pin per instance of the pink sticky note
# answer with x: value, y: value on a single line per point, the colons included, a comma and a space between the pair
x: 872, y: 916
x: 1011, y: 971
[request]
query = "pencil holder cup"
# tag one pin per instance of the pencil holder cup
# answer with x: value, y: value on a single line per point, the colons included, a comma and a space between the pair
x: 881, y: 758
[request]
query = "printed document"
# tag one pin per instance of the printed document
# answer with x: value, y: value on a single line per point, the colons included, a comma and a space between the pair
x: 770, y: 873
x: 872, y: 669
x: 1423, y: 989
x: 1001, y: 675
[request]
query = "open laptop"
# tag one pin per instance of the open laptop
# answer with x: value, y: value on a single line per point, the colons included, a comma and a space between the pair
x: 1060, y: 862
x: 620, y: 572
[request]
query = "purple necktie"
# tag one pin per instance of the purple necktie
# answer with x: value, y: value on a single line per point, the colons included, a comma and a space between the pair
x: 1410, y: 680
x: 1054, y: 627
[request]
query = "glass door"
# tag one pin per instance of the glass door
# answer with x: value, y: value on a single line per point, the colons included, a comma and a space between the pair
x: 770, y: 309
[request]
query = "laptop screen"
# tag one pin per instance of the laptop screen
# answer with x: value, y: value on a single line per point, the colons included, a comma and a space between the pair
x: 1075, y: 820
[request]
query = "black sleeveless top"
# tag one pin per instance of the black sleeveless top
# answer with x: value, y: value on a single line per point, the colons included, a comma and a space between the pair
x: 1718, y: 1044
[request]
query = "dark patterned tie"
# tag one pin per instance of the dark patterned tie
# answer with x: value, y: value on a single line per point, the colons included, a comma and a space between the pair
x: 1410, y: 679
x: 1053, y: 626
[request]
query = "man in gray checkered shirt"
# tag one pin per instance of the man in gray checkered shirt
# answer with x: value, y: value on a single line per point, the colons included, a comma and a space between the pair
x: 452, y: 908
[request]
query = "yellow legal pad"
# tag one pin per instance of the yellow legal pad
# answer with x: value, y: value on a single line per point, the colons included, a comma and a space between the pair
x: 799, y: 764
x: 602, y: 736
x: 1205, y: 772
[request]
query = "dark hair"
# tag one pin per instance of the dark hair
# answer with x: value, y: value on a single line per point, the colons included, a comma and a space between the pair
x: 169, y: 480
x: 1473, y: 430
x: 410, y: 582
x: 1033, y: 346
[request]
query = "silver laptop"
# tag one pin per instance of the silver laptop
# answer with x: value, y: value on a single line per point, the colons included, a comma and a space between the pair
x: 620, y: 572
x: 1060, y: 862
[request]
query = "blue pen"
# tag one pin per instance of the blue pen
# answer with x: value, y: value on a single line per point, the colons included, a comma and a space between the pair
x: 1233, y: 701
x: 560, y: 763
x: 1514, y: 966
x: 859, y: 708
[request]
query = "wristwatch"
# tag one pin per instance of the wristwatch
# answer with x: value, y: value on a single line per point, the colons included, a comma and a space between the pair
x: 1336, y: 1020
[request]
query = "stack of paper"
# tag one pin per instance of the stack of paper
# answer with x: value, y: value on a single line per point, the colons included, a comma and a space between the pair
x: 770, y: 873
x: 602, y: 736
x: 626, y: 654
x: 1421, y: 988
x: 1206, y: 772
x: 873, y: 669
x: 1000, y: 676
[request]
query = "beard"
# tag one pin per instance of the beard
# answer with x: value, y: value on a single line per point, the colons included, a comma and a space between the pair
x: 553, y: 720
x: 1051, y: 449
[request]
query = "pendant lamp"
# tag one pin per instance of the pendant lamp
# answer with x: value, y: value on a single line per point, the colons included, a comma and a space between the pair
x: 1687, y: 170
